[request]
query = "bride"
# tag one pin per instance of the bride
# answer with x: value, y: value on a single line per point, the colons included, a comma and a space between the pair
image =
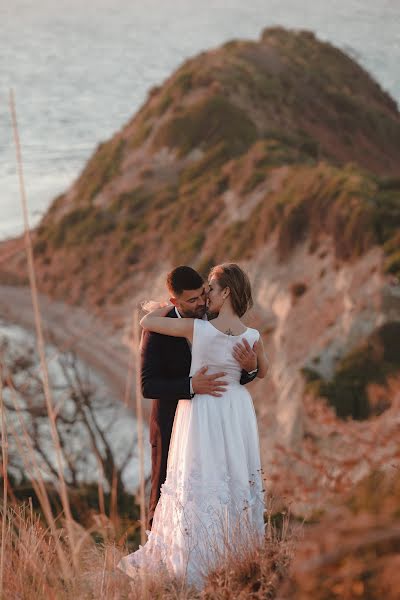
x: 212, y: 500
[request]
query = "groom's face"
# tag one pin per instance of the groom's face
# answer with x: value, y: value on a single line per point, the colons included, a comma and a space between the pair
x: 191, y: 303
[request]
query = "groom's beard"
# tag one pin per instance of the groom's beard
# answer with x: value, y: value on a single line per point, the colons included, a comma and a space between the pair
x: 194, y: 314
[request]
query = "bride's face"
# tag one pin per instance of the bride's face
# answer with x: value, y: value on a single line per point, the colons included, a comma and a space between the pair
x: 215, y: 297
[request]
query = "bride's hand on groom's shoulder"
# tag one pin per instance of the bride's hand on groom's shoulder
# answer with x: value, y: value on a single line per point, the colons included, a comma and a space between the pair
x: 154, y: 320
x: 246, y: 355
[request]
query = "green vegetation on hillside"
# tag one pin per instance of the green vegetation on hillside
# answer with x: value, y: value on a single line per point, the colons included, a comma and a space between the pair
x: 103, y: 166
x: 357, y: 210
x: 372, y: 362
x: 205, y: 124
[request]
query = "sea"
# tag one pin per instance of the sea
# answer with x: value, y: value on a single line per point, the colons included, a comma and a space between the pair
x: 80, y: 70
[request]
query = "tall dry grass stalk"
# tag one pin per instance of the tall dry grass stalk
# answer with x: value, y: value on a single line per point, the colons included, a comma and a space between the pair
x: 247, y: 570
x: 131, y: 363
x: 32, y: 468
x: 40, y: 338
x: 32, y: 566
x: 134, y: 373
x: 4, y: 454
x: 100, y: 487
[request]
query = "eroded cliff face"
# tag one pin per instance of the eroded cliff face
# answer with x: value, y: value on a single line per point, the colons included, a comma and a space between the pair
x: 313, y: 312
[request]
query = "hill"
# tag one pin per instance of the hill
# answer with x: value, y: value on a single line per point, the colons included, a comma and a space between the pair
x: 286, y: 135
x: 283, y: 154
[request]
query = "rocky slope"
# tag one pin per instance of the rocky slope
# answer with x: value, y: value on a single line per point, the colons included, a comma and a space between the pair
x: 282, y: 154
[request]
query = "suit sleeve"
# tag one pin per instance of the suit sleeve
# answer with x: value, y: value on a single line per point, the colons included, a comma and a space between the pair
x: 153, y: 384
x: 246, y: 378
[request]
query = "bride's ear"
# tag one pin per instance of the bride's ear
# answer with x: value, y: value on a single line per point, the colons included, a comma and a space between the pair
x: 225, y: 293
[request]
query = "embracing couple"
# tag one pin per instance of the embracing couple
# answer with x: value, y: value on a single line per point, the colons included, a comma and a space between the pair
x: 207, y: 496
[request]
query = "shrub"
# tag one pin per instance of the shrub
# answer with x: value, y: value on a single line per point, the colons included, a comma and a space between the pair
x: 40, y: 246
x: 257, y: 177
x: 103, y: 166
x: 59, y: 232
x: 392, y: 264
x: 373, y: 361
x: 298, y: 289
x: 185, y: 81
x: 205, y: 124
x: 185, y: 250
x: 165, y: 103
x: 205, y: 265
x: 141, y: 134
x: 211, y: 161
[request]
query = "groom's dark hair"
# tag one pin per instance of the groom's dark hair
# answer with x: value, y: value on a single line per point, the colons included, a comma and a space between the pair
x: 183, y: 278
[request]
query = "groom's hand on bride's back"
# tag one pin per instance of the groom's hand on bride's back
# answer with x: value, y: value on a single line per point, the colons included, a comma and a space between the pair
x: 208, y: 384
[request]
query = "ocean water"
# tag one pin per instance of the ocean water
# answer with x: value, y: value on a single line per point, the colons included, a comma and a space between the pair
x: 80, y: 71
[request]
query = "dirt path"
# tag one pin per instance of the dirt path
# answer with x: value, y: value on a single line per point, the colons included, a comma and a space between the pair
x: 70, y: 327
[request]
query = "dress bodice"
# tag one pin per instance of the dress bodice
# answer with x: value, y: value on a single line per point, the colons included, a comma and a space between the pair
x: 214, y: 349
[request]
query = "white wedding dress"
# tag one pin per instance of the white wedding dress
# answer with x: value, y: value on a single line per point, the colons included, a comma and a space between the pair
x: 212, y: 501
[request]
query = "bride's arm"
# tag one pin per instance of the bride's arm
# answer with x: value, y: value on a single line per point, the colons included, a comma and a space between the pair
x: 262, y: 360
x: 156, y: 321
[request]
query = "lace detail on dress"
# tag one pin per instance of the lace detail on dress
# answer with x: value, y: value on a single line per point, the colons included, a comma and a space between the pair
x: 195, y: 522
x: 191, y: 487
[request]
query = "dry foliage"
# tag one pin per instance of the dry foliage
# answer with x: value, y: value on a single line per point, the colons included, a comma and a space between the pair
x: 354, y: 552
x: 336, y: 453
x: 32, y: 570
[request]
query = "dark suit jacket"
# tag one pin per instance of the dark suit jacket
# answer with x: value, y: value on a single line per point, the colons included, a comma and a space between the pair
x: 165, y: 367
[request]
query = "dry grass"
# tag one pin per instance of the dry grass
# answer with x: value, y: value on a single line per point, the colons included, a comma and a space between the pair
x: 349, y: 552
x: 32, y: 568
x: 337, y: 453
x: 354, y: 552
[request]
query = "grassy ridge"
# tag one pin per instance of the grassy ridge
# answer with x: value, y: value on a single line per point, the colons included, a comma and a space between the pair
x: 355, y: 209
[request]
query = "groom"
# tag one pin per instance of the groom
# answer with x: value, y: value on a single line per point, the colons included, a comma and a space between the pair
x: 165, y: 367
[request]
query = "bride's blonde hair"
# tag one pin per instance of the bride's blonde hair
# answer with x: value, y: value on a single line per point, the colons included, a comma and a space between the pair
x: 232, y: 276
